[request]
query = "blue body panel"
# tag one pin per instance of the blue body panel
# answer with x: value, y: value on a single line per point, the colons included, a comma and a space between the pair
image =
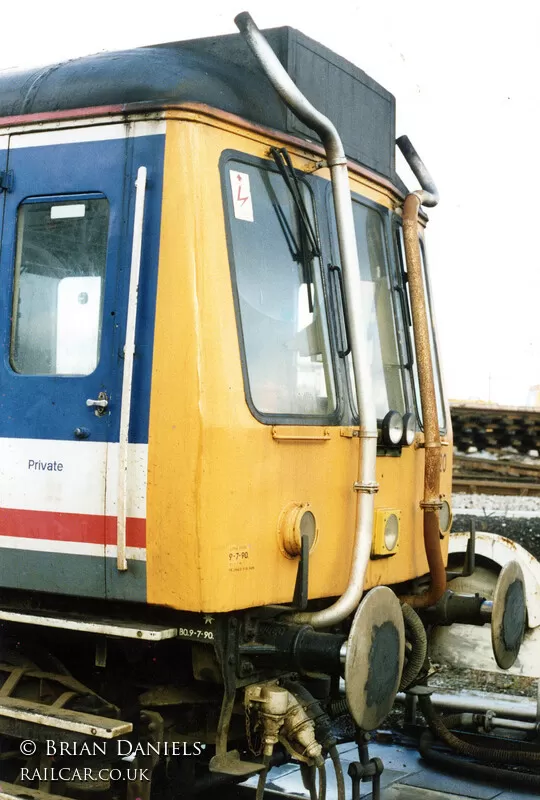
x: 51, y: 406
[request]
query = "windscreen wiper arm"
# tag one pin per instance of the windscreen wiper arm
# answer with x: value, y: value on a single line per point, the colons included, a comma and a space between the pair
x: 309, y: 241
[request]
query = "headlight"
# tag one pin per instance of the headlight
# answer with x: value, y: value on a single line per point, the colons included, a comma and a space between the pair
x: 391, y: 532
x: 392, y: 428
x: 409, y: 429
x: 385, y: 540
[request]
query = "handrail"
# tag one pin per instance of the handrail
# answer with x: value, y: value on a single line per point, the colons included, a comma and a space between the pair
x: 127, y: 382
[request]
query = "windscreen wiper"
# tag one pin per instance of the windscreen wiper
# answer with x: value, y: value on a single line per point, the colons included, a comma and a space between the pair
x: 309, y: 241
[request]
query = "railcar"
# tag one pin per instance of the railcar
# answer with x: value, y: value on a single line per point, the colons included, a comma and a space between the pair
x: 226, y: 451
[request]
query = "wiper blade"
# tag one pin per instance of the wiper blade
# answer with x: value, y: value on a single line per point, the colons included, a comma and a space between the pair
x: 309, y: 242
x: 284, y: 164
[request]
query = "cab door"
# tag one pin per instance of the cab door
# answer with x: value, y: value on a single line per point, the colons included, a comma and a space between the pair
x: 4, y: 174
x: 64, y: 239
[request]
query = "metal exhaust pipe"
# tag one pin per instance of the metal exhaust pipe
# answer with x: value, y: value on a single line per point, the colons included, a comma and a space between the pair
x: 366, y: 484
x: 429, y: 196
x: 431, y: 503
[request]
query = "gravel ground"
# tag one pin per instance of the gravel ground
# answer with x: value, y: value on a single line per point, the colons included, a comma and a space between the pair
x: 525, y: 532
x: 517, y: 518
x: 496, y: 505
x: 455, y: 679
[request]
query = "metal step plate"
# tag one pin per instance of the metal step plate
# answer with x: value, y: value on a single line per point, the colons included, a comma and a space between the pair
x: 120, y: 628
x: 63, y: 718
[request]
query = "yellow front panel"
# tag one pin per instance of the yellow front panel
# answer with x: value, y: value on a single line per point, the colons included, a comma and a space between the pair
x: 218, y: 479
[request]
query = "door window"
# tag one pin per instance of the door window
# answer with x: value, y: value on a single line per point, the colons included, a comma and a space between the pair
x: 61, y: 253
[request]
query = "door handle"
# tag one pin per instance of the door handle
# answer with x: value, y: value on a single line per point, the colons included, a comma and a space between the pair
x: 100, y: 405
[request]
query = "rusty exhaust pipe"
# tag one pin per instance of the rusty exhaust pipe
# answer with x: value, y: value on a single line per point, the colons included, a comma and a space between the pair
x: 431, y: 503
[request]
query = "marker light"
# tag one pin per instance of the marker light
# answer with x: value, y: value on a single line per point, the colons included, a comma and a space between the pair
x: 296, y: 520
x: 392, y: 428
x: 409, y: 429
x: 445, y: 517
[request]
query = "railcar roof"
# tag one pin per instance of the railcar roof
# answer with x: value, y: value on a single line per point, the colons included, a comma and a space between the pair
x: 220, y: 72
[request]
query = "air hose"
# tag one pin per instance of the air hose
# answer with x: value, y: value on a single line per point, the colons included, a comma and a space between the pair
x: 322, y: 782
x: 261, y: 784
x: 489, y: 754
x: 481, y: 771
x: 310, y: 782
x: 323, y: 733
x: 323, y: 726
x: 340, y: 779
x: 417, y: 634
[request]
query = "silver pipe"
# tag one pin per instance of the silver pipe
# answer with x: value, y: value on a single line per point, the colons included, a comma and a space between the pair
x: 514, y: 707
x: 513, y: 724
x: 429, y: 196
x: 366, y: 485
x: 486, y: 609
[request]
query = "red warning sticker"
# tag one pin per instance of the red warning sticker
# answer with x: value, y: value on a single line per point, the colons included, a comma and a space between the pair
x: 241, y: 194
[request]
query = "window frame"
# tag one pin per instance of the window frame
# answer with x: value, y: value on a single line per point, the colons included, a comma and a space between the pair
x: 52, y: 199
x: 397, y: 226
x: 335, y: 418
x: 396, y: 280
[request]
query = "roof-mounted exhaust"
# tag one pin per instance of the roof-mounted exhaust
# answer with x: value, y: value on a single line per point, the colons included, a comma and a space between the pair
x: 429, y: 196
x: 432, y: 502
x: 337, y: 162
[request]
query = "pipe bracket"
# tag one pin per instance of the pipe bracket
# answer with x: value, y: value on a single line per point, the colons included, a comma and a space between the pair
x: 431, y: 505
x: 367, y: 488
x: 337, y: 162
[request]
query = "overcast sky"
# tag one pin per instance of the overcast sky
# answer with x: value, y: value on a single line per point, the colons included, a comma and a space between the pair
x: 465, y: 78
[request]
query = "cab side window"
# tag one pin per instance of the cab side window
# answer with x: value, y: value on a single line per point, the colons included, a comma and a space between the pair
x: 377, y: 312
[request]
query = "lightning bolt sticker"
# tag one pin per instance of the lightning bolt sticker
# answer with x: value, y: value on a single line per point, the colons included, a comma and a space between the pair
x: 241, y: 195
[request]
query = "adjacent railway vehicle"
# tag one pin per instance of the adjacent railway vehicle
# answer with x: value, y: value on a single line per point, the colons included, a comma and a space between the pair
x: 226, y: 455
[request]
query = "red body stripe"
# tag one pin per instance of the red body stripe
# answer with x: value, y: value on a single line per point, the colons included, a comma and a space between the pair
x: 61, y: 527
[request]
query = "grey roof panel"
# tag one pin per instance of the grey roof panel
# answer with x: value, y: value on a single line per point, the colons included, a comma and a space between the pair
x: 220, y: 72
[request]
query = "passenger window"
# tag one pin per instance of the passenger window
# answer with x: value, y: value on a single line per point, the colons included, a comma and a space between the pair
x: 279, y: 297
x: 58, y: 286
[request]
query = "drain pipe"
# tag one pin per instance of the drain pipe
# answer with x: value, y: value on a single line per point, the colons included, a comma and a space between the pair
x: 431, y: 504
x: 366, y: 485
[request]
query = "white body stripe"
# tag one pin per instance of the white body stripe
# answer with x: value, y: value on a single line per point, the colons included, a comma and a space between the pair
x: 73, y: 489
x: 89, y: 133
x: 69, y: 548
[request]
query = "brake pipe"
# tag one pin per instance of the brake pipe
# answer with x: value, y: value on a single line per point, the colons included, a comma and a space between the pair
x: 366, y: 484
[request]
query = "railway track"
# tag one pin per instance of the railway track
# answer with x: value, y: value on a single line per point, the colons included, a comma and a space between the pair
x: 489, y: 427
x: 502, y: 440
